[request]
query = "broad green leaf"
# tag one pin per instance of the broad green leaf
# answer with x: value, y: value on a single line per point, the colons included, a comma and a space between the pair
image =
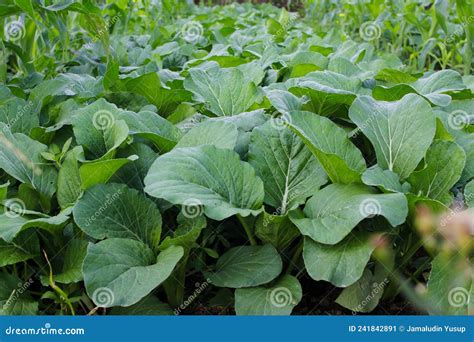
x: 449, y: 289
x: 134, y: 173
x: 284, y: 101
x: 276, y: 229
x: 290, y: 172
x: 341, y: 160
x: 11, y: 224
x: 148, y: 306
x: 246, y: 266
x: 400, y: 131
x: 151, y: 126
x: 435, y: 88
x: 386, y: 180
x: 116, y: 211
x: 278, y: 299
x: 120, y: 272
x: 209, y: 176
x: 224, y: 92
x: 69, y: 178
x: 71, y: 267
x: 341, y: 264
x: 218, y: 133
x: 20, y: 157
x: 364, y: 295
x: 19, y: 115
x: 329, y: 93
x: 98, y: 129
x: 100, y: 171
x: 14, y: 297
x: 24, y: 247
x: 444, y: 161
x: 190, y: 226
x: 334, y: 211
x: 149, y: 86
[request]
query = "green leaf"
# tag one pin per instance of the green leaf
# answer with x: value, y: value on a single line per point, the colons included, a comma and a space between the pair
x: 386, y: 180
x: 151, y: 126
x: 149, y: 86
x: 98, y: 129
x: 19, y: 115
x: 20, y: 157
x: 14, y: 298
x: 434, y: 88
x: 278, y: 299
x: 116, y: 211
x: 209, y: 176
x: 284, y: 101
x: 364, y: 295
x: 69, y: 178
x: 224, y: 92
x: 290, y: 172
x: 246, y: 266
x: 276, y: 229
x: 188, y: 231
x: 120, y: 272
x: 148, y: 306
x: 334, y: 211
x: 24, y: 247
x: 100, y: 171
x: 218, y: 133
x: 341, y: 264
x: 341, y: 160
x: 329, y: 93
x: 400, y: 131
x: 445, y: 162
x: 449, y: 289
x: 11, y: 224
x: 71, y: 267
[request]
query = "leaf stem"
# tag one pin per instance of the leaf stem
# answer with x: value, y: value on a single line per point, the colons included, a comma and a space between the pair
x: 248, y: 231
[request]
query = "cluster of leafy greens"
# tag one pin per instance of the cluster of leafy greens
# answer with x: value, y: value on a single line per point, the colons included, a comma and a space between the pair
x: 234, y: 151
